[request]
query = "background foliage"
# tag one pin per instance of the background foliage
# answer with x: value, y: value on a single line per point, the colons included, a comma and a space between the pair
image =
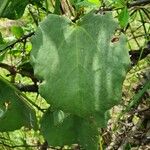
x: 21, y: 106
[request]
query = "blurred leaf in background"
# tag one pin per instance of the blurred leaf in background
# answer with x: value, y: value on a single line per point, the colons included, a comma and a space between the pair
x: 12, y: 9
x: 123, y: 17
x: 1, y: 39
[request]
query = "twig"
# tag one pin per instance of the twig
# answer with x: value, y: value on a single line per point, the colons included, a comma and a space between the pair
x: 146, y: 12
x: 27, y: 88
x: 17, y: 41
x: 143, y: 24
x: 136, y: 55
x: 138, y: 3
x: 13, y: 71
x: 129, y: 5
x: 134, y: 37
x: 138, y: 36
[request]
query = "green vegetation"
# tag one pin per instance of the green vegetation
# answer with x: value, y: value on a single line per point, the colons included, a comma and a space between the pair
x: 74, y: 74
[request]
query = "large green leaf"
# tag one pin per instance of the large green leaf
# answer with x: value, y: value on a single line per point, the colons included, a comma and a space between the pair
x: 60, y: 129
x: 12, y: 9
x: 81, y: 70
x: 15, y: 112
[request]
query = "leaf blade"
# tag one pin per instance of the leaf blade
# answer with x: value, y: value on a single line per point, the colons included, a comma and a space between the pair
x: 77, y: 67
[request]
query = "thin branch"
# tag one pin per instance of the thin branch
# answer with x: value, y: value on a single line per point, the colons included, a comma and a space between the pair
x: 143, y: 24
x: 28, y: 74
x: 21, y: 87
x: 129, y: 5
x: 136, y: 55
x: 146, y: 13
x: 134, y: 37
x: 71, y: 9
x: 138, y: 3
x: 27, y: 88
x: 13, y: 71
x: 17, y: 41
x: 138, y: 36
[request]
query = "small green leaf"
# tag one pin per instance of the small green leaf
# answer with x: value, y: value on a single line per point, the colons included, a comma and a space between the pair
x: 123, y: 17
x: 17, y: 31
x: 15, y: 112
